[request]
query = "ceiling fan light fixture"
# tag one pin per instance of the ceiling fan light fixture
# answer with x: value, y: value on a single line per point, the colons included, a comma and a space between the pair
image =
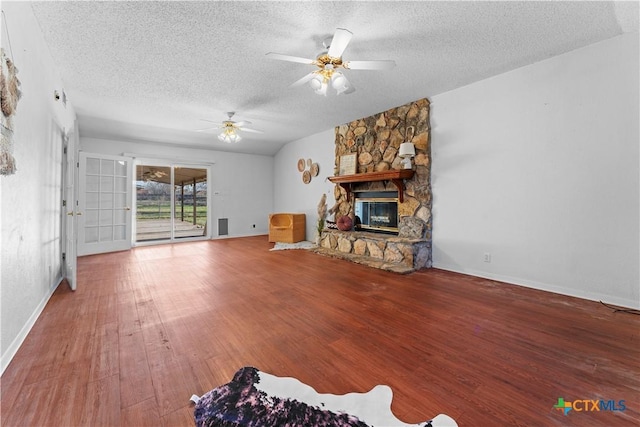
x: 316, y: 82
x: 342, y: 90
x: 230, y: 139
x: 229, y: 135
x: 330, y: 61
x: 323, y: 89
x: 339, y: 82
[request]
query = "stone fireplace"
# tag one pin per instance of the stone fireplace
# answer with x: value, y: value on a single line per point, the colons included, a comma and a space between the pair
x: 376, y: 141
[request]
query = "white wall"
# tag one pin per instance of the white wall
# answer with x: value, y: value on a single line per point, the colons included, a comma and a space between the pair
x: 539, y: 168
x: 241, y: 184
x: 293, y: 195
x: 31, y: 199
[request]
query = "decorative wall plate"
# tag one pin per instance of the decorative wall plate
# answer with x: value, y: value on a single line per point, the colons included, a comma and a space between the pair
x: 309, y: 161
x: 315, y: 169
x: 306, y: 177
x: 300, y: 165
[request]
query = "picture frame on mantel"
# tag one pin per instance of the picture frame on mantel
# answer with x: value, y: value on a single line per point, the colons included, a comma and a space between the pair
x: 347, y: 164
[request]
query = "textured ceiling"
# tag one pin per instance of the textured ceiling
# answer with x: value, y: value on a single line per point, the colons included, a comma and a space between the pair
x: 152, y: 71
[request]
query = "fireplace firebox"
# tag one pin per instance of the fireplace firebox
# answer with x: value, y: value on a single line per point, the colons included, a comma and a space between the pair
x: 377, y: 211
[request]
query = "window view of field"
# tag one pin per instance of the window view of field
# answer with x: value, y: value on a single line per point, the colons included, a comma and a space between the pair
x: 154, y: 194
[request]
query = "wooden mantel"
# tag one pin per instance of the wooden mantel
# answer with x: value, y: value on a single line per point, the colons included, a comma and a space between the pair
x: 397, y: 176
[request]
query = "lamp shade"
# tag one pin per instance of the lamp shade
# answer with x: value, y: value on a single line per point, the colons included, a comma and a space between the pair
x: 339, y: 82
x: 316, y: 82
x: 229, y: 136
x: 407, y: 149
x: 322, y: 90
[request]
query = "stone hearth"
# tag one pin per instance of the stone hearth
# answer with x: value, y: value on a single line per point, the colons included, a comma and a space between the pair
x: 391, y: 253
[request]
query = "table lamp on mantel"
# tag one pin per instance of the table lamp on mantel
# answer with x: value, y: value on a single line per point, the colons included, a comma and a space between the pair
x: 407, y: 151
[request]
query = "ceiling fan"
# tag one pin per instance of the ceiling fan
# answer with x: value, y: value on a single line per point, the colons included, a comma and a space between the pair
x: 230, y: 129
x: 150, y: 174
x: 329, y: 62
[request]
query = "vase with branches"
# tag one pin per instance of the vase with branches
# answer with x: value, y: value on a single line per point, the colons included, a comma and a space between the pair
x: 322, y: 216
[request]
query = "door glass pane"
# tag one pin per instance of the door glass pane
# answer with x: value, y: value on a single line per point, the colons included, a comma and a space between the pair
x: 106, y: 183
x: 91, y: 218
x: 190, y: 192
x: 92, y: 200
x: 93, y: 182
x: 106, y: 200
x: 121, y: 168
x: 119, y: 216
x: 119, y: 232
x: 107, y: 167
x: 91, y: 234
x: 106, y: 217
x: 120, y: 200
x: 153, y: 203
x: 93, y: 166
x: 106, y: 234
x: 121, y: 184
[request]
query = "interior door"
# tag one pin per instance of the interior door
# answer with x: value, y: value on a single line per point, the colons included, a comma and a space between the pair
x: 70, y: 202
x: 104, y: 212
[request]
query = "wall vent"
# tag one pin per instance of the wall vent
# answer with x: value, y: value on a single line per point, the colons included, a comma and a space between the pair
x: 223, y: 226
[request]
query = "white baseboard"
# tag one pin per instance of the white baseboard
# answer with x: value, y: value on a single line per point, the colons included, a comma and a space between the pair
x: 235, y: 236
x: 592, y: 296
x: 17, y: 342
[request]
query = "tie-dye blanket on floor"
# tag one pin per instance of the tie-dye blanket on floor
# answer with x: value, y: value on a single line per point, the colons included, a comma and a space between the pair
x: 257, y: 399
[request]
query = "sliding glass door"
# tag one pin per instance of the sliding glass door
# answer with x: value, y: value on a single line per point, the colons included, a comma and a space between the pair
x: 190, y: 202
x: 171, y: 202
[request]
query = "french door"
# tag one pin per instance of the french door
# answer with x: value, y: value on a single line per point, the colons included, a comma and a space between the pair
x: 104, y: 210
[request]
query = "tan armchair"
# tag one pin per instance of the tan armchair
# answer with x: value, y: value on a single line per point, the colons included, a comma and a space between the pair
x: 287, y: 227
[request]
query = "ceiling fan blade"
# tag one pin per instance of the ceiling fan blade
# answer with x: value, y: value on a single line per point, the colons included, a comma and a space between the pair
x: 206, y: 129
x: 303, y: 80
x: 210, y: 121
x: 339, y: 43
x: 369, y: 65
x: 250, y: 130
x: 242, y: 123
x: 290, y: 58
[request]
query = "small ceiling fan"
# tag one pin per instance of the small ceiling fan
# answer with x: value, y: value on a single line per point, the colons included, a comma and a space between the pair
x: 329, y: 63
x: 151, y: 174
x: 230, y: 129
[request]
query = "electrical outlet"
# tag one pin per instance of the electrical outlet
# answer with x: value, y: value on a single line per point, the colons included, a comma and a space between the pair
x: 487, y: 257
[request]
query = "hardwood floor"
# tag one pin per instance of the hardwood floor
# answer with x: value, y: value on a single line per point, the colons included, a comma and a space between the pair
x: 148, y: 328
